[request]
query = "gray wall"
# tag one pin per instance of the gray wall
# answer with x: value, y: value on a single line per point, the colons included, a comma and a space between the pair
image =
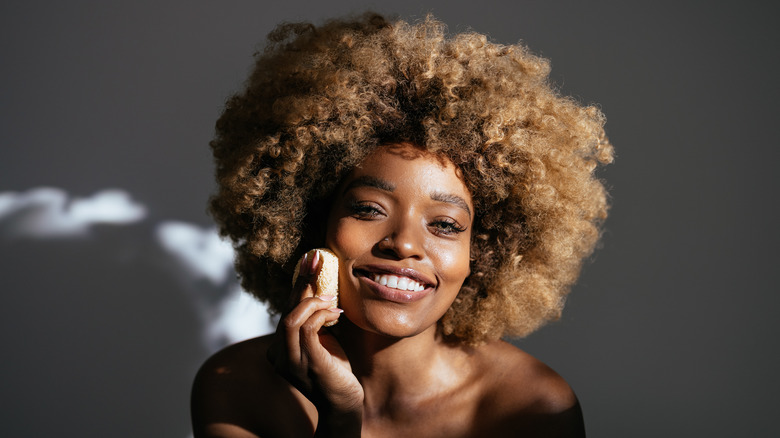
x: 670, y: 332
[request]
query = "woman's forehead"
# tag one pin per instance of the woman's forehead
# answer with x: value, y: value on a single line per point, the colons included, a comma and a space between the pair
x: 397, y: 164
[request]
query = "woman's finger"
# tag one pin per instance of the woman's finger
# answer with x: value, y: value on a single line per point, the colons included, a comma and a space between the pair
x: 310, y: 335
x: 291, y: 320
x: 308, y: 270
x: 290, y: 325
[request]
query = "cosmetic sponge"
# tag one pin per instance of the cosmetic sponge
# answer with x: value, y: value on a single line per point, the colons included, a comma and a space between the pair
x: 328, y: 279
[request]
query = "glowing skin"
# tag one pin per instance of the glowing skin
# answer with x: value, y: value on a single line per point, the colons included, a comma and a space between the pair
x: 400, y: 225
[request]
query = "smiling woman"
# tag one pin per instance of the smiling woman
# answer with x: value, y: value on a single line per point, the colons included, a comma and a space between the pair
x: 456, y: 189
x: 396, y: 221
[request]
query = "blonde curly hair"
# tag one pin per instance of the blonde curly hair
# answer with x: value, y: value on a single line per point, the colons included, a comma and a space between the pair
x: 321, y: 98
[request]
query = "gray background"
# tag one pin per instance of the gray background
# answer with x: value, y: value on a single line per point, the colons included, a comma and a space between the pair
x: 670, y: 332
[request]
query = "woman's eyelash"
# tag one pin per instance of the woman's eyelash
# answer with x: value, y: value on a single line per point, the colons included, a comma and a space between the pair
x: 368, y: 210
x: 364, y: 210
x: 448, y: 227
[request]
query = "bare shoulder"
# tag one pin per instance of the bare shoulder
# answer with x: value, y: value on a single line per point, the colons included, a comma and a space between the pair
x: 236, y: 393
x: 522, y: 393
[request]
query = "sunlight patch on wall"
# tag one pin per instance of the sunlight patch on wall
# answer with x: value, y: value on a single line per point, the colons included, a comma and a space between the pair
x: 197, y: 257
x: 228, y: 314
x: 50, y: 213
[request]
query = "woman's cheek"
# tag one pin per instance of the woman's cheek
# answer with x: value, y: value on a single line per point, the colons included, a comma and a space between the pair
x: 453, y: 261
x: 347, y: 241
x: 342, y: 238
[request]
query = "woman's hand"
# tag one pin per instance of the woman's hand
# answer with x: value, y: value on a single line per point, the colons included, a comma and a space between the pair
x: 312, y: 360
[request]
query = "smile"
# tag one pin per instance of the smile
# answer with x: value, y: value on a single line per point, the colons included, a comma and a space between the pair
x: 396, y: 282
x: 393, y: 294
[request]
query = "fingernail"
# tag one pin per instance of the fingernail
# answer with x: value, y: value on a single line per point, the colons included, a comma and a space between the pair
x: 303, y: 268
x: 327, y: 297
x: 336, y: 310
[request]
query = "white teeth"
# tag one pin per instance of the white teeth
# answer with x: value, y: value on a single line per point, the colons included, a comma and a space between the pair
x: 400, y: 283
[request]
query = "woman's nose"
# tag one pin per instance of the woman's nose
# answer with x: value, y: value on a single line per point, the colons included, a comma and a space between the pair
x: 402, y: 242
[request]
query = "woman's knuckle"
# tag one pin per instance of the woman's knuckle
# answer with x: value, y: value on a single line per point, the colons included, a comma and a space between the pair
x: 309, y: 327
x: 289, y: 322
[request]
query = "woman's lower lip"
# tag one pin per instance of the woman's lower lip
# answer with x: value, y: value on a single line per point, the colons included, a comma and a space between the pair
x: 395, y: 295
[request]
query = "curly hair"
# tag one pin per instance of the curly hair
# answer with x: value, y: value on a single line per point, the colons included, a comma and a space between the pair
x: 321, y: 98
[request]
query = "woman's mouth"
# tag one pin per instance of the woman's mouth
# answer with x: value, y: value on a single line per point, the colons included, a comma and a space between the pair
x: 400, y: 285
x: 396, y: 282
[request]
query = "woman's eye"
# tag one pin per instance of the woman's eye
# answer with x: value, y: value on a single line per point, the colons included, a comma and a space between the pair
x: 364, y: 210
x: 447, y: 228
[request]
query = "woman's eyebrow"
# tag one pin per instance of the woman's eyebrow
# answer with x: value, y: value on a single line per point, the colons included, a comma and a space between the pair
x: 452, y: 199
x: 369, y: 181
x: 378, y: 183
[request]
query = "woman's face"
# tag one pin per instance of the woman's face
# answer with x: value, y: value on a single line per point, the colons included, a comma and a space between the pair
x: 401, y: 227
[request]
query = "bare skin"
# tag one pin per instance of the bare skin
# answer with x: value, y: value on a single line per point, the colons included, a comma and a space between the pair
x: 383, y: 371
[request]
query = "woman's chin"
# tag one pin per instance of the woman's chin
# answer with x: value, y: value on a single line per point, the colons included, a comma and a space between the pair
x: 388, y: 324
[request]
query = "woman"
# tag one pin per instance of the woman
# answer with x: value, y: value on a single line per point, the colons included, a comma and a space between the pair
x: 456, y: 189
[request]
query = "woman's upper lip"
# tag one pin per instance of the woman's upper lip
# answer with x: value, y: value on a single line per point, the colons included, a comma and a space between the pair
x: 399, y: 271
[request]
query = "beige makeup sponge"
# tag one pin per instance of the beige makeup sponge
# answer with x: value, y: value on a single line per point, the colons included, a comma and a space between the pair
x: 328, y: 280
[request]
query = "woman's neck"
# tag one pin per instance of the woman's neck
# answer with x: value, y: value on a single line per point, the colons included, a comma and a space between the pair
x: 400, y: 373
